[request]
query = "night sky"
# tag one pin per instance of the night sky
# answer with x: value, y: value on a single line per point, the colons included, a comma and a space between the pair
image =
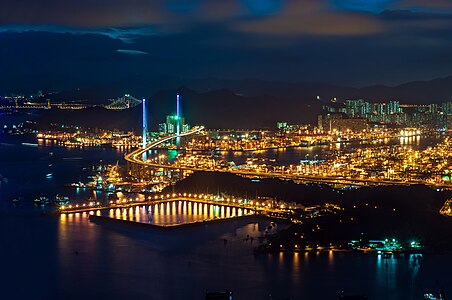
x: 348, y: 42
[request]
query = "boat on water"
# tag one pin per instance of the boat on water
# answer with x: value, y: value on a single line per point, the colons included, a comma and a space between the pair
x: 17, y: 200
x: 58, y: 200
x: 42, y: 200
x: 305, y: 143
x: 76, y: 184
x: 61, y: 200
x: 430, y: 296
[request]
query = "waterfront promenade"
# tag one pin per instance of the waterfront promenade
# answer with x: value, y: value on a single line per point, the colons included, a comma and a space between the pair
x: 255, y: 206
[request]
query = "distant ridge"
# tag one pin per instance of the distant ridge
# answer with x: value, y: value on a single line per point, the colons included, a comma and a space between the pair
x: 431, y: 91
x: 249, y: 104
x: 214, y: 109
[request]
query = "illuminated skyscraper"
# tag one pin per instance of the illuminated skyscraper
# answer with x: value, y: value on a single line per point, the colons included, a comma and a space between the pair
x: 175, y: 123
x: 357, y: 108
x: 393, y: 107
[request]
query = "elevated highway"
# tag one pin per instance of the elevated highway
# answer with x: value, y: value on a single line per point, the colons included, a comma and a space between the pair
x: 136, y: 156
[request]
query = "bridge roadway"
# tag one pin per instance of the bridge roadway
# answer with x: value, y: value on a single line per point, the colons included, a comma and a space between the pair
x: 135, y: 157
x: 24, y: 107
x: 42, y: 106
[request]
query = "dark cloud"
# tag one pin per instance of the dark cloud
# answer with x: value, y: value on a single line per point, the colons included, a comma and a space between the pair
x: 312, y: 17
x: 442, y: 5
x: 347, y: 41
x: 164, y: 14
x: 126, y: 35
x: 83, y: 13
x: 366, y: 5
x: 324, y: 17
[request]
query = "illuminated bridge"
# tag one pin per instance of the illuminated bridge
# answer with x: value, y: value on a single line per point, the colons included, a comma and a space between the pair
x: 140, y: 168
x: 68, y: 106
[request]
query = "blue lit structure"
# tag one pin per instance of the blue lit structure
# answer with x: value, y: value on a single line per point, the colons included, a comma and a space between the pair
x: 145, y: 123
x: 178, y: 114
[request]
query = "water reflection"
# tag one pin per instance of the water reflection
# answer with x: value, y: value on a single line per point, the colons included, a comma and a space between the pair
x: 331, y: 258
x: 386, y: 271
x: 300, y: 275
x: 174, y: 212
x: 295, y: 154
x: 410, y: 140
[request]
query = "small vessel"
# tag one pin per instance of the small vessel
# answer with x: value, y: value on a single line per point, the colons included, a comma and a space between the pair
x: 77, y: 184
x: 42, y: 200
x: 17, y: 200
x: 49, y: 175
x: 61, y: 200
x: 305, y: 143
x: 430, y: 296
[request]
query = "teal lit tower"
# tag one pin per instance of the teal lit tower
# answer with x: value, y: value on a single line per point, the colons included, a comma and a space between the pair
x: 178, y: 119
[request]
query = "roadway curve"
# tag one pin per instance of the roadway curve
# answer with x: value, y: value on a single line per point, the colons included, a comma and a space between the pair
x: 136, y: 156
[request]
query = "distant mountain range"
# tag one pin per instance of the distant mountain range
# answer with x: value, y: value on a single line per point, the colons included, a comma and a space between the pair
x: 214, y: 109
x: 436, y: 90
x: 234, y: 103
x: 433, y: 91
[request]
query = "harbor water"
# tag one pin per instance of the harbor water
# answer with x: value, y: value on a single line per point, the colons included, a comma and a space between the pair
x: 56, y: 257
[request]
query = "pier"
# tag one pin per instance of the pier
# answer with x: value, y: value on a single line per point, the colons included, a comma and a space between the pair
x: 267, y: 207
